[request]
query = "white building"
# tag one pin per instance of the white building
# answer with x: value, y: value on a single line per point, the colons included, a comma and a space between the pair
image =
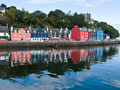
x: 4, y: 32
x: 2, y: 9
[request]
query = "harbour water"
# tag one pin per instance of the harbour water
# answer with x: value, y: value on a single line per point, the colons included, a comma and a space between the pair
x: 92, y: 68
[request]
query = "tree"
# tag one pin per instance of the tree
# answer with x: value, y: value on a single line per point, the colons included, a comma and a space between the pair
x: 39, y: 14
x: 28, y: 18
x: 19, y: 15
x: 11, y: 14
x: 3, y: 5
x: 79, y: 20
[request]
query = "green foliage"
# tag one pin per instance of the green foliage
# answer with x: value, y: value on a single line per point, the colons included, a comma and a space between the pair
x: 39, y: 14
x: 79, y: 20
x: 3, y: 23
x: 11, y: 14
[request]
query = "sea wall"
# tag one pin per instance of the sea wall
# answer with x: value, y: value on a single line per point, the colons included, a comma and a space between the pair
x: 41, y: 45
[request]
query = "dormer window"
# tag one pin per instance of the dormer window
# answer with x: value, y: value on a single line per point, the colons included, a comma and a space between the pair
x: 28, y: 31
x: 34, y: 31
x: 15, y: 31
x: 19, y: 31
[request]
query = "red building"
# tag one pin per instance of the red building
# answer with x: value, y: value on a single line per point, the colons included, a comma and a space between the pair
x: 80, y: 34
x: 79, y: 55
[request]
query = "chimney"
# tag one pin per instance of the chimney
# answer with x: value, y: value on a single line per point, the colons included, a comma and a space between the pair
x: 29, y: 27
x: 11, y: 28
x: 47, y: 28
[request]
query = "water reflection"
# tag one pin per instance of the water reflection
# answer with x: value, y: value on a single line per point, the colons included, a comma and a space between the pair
x: 56, y: 60
x: 38, y: 64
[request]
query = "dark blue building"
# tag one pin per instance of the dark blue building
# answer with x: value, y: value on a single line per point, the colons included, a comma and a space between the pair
x: 39, y: 35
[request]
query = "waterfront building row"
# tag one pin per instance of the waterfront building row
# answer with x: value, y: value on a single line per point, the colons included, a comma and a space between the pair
x: 41, y: 35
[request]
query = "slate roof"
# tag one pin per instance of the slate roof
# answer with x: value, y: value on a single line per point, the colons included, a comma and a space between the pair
x: 57, y: 32
x: 2, y: 8
x: 83, y: 29
x: 31, y: 30
x: 4, y: 29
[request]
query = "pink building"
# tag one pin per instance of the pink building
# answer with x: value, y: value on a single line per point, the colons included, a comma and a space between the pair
x: 21, y: 57
x: 20, y: 34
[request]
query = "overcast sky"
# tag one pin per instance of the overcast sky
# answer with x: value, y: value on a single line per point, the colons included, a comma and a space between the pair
x: 101, y: 10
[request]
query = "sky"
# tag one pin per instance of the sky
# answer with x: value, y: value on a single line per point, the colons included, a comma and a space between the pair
x: 101, y: 10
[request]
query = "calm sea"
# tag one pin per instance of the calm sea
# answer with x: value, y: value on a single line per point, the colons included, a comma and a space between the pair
x: 92, y: 68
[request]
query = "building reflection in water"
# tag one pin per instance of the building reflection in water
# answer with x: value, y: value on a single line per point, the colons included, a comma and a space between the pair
x: 55, y: 56
x: 20, y: 57
x: 48, y: 56
x: 4, y: 58
x: 79, y: 55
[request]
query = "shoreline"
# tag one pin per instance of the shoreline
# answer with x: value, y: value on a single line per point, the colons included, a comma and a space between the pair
x: 54, y: 45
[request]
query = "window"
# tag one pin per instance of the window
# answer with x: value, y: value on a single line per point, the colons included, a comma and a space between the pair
x: 28, y: 35
x: 19, y: 31
x: 19, y: 35
x: 23, y: 35
x: 15, y: 35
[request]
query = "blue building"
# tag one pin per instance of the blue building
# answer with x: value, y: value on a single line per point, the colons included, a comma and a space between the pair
x: 99, y: 35
x: 39, y: 35
x: 99, y: 53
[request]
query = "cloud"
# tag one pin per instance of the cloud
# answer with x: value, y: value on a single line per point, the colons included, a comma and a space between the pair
x: 97, y: 3
x: 100, y: 1
x: 45, y: 1
x: 87, y: 3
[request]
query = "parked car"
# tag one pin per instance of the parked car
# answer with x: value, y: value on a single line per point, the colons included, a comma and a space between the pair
x: 3, y: 40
